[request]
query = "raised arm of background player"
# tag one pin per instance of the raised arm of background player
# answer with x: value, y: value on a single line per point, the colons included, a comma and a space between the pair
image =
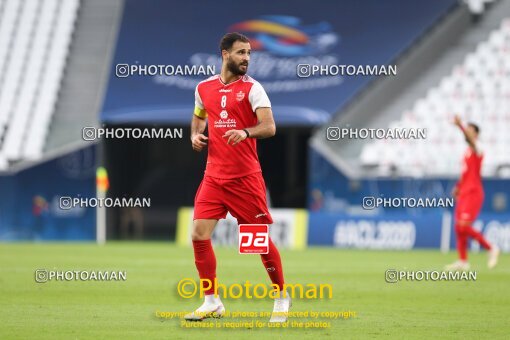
x: 469, y: 138
x: 472, y: 144
x: 264, y: 129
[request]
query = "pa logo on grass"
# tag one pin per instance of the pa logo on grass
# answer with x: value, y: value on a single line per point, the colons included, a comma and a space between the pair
x: 253, y: 239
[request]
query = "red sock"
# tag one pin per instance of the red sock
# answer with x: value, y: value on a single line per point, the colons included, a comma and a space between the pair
x: 205, y: 260
x: 462, y: 243
x: 273, y: 264
x: 477, y: 236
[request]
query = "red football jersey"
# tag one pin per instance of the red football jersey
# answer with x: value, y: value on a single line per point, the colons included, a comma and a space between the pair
x: 230, y: 107
x: 471, y: 179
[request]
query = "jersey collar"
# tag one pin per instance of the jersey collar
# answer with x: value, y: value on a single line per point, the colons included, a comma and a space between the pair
x: 222, y: 83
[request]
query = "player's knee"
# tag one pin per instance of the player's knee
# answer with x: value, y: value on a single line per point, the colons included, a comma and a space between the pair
x: 199, y: 235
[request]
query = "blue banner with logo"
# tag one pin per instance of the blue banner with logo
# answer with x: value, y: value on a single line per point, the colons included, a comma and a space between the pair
x: 382, y: 231
x: 165, y: 48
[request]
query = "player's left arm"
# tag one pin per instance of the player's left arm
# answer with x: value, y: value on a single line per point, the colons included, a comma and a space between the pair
x: 265, y: 128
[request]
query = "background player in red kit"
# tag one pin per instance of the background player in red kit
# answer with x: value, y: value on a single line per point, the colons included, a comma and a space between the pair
x: 238, y: 112
x: 469, y: 199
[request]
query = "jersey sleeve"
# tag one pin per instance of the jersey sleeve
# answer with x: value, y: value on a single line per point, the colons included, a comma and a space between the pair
x: 199, y: 106
x: 258, y: 97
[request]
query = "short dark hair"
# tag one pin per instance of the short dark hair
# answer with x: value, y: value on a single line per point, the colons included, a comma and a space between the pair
x: 230, y: 38
x: 476, y: 127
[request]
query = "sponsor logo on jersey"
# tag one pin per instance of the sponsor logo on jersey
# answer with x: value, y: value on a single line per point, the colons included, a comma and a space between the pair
x: 225, y: 123
x: 224, y: 114
x: 225, y: 90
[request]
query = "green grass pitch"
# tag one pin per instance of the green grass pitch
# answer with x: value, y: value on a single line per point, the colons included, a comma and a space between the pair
x: 117, y: 309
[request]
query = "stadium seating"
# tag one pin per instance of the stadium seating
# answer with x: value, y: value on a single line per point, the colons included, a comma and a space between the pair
x: 477, y: 6
x: 35, y: 37
x: 478, y: 89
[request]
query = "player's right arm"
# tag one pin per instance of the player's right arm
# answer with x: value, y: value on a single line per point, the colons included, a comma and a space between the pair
x: 198, y: 139
x: 469, y: 139
x: 472, y: 144
x: 198, y: 124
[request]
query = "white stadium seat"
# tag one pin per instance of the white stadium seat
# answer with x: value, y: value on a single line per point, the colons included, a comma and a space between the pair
x: 35, y: 37
x: 478, y: 89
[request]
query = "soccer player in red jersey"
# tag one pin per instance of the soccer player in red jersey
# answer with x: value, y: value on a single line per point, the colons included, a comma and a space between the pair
x: 238, y: 112
x: 469, y: 199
